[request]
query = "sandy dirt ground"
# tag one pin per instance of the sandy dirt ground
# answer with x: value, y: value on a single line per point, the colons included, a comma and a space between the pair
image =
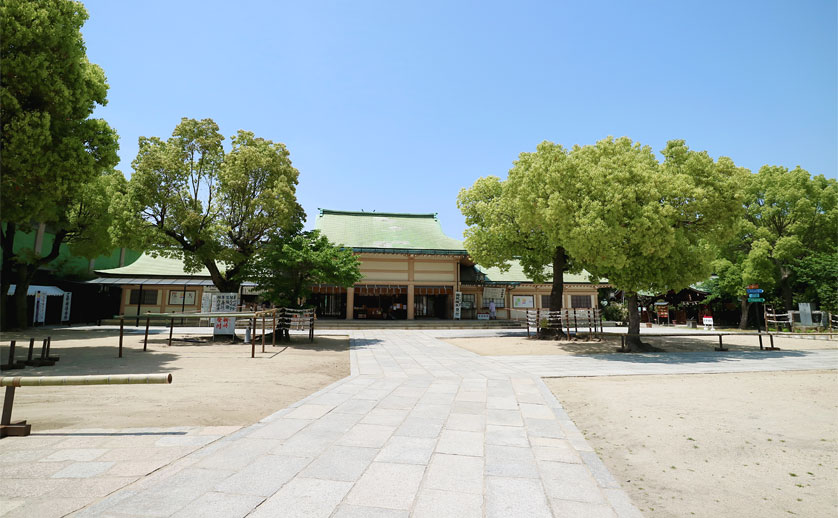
x: 743, y: 444
x: 521, y: 345
x: 213, y: 384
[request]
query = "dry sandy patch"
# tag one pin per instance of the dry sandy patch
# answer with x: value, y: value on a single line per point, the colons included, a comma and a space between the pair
x: 213, y: 384
x: 744, y: 444
x: 521, y: 345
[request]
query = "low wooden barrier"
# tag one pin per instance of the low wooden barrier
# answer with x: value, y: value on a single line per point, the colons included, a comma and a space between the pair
x: 564, y: 320
x: 44, y: 360
x: 21, y: 428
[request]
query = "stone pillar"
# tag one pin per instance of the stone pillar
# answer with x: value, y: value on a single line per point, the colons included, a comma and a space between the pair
x: 350, y: 303
x: 411, y: 309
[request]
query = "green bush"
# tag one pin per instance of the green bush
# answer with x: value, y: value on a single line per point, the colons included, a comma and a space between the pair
x: 615, y: 312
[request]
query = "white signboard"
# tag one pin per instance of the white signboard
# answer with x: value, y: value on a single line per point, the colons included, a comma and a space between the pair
x: 523, y: 301
x: 708, y: 323
x: 482, y: 316
x: 40, y: 314
x: 65, y: 307
x: 458, y: 304
x: 493, y: 293
x: 225, y: 303
x: 182, y: 298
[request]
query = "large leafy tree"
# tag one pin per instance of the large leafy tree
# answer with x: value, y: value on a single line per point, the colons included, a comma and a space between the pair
x: 190, y: 200
x: 818, y: 274
x: 55, y: 158
x: 287, y: 267
x: 504, y: 224
x: 647, y: 225
x: 789, y: 216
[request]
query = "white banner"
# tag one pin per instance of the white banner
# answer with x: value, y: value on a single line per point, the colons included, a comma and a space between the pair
x: 40, y: 313
x: 458, y: 304
x: 65, y: 307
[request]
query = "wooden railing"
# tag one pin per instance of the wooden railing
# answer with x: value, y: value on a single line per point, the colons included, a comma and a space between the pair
x: 565, y: 321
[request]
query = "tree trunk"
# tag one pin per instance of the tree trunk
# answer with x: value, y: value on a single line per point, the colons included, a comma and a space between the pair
x: 222, y: 281
x: 633, y: 342
x: 7, y: 242
x: 744, y: 308
x: 785, y: 287
x: 559, y: 267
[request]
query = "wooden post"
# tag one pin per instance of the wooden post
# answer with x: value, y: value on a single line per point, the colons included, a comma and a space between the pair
x: 145, y: 340
x: 273, y: 335
x: 171, y: 330
x: 121, y: 328
x: 263, y: 332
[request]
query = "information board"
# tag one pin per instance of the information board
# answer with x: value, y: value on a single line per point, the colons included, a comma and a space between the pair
x: 523, y: 301
x: 458, y: 304
x: 225, y: 303
x: 40, y: 313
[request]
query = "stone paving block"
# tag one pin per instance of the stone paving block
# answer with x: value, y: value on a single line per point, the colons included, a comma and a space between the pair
x: 238, y: 454
x: 509, y: 461
x: 264, y: 476
x: 76, y: 454
x: 529, y: 410
x: 504, y: 417
x: 398, y: 402
x: 565, y: 481
x: 471, y: 396
x: 84, y: 470
x: 392, y: 486
x: 466, y: 422
x: 194, y: 441
x: 372, y: 394
x: 219, y: 505
x: 344, y: 463
x: 92, y: 488
x: 28, y: 487
x: 433, y: 503
x: 468, y: 407
x: 407, y: 450
x: 18, y: 470
x: 304, y: 497
x: 280, y: 429
x: 307, y: 444
x: 581, y: 509
x: 457, y: 442
x: 385, y: 416
x: 558, y: 450
x: 356, y: 406
x: 171, y: 494
x: 334, y: 422
x: 455, y: 472
x: 309, y: 411
x: 367, y: 436
x: 507, y: 435
x: 544, y: 428
x: 430, y: 411
x: 355, y: 511
x: 434, y: 398
x: 506, y: 497
x: 502, y: 403
x: 40, y: 508
x: 133, y: 468
x: 420, y: 427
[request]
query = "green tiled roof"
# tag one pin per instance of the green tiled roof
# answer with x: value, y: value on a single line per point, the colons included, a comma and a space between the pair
x: 516, y: 274
x: 386, y: 232
x: 158, y: 266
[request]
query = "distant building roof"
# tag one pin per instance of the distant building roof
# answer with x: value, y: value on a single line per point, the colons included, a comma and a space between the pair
x: 516, y: 274
x: 387, y: 232
x: 146, y: 265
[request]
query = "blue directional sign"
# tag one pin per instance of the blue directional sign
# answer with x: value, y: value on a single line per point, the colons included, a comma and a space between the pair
x: 754, y: 291
x: 756, y: 299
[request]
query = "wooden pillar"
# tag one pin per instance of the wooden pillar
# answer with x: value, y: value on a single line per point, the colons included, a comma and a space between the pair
x: 350, y: 303
x: 411, y: 308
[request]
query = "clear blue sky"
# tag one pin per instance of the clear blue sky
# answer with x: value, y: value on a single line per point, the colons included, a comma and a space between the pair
x: 395, y: 106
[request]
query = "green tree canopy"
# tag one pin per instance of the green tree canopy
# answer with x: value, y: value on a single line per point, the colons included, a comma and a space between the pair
x: 54, y: 153
x: 189, y: 199
x: 650, y: 225
x: 789, y: 215
x: 505, y: 225
x: 287, y: 266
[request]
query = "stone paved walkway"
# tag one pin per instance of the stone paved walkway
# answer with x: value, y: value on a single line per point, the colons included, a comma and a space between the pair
x: 420, y: 428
